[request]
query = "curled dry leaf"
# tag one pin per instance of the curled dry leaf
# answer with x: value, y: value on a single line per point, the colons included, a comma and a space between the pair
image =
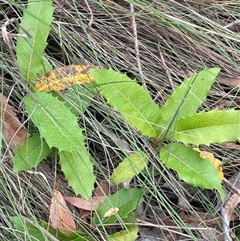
x: 62, y: 78
x: 84, y: 204
x: 12, y: 128
x: 60, y: 216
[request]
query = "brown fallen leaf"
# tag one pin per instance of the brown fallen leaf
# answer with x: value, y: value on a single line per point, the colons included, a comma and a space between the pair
x: 85, y: 204
x: 232, y: 81
x: 102, y: 189
x: 230, y: 205
x: 60, y: 216
x: 231, y: 145
x: 12, y: 128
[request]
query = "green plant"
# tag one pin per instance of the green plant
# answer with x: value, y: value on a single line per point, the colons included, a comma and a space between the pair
x: 176, y: 122
x: 171, y: 128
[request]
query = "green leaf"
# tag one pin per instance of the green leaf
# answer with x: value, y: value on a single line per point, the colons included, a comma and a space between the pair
x: 30, y: 153
x: 78, y: 98
x: 36, y: 19
x: 209, y: 127
x: 186, y: 98
x: 30, y: 231
x: 130, y: 235
x: 129, y: 167
x: 78, y: 169
x: 56, y: 124
x: 191, y: 167
x: 125, y: 200
x: 35, y: 232
x: 130, y: 99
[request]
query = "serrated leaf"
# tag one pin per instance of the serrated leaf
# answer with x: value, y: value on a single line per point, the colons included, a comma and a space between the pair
x: 30, y: 153
x: 130, y: 235
x: 56, y: 124
x: 187, y: 98
x: 130, y: 99
x: 125, y: 200
x: 78, y: 169
x: 129, y: 167
x: 36, y: 19
x: 209, y: 127
x: 191, y: 167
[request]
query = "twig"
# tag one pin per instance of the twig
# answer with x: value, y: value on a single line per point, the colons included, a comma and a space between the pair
x: 165, y: 67
x: 137, y: 53
x: 226, y: 227
x: 236, y: 22
x: 231, y: 186
x: 8, y: 36
x: 91, y: 18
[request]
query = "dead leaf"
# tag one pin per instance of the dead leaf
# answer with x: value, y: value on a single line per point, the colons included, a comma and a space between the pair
x: 230, y: 205
x: 62, y: 78
x: 102, y: 189
x: 231, y: 145
x: 12, y: 128
x: 232, y: 81
x: 84, y: 204
x: 60, y: 216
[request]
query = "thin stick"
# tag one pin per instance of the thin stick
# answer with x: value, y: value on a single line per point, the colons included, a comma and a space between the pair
x: 137, y: 53
x: 165, y: 67
x: 226, y: 227
x: 231, y: 186
x: 91, y: 18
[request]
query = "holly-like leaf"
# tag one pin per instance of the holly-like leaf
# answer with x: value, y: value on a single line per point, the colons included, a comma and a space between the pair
x: 215, y: 126
x: 129, y: 167
x: 130, y: 99
x: 124, y: 201
x: 130, y: 234
x: 36, y: 19
x: 56, y: 124
x: 78, y: 170
x: 30, y: 153
x: 186, y: 98
x: 191, y: 167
